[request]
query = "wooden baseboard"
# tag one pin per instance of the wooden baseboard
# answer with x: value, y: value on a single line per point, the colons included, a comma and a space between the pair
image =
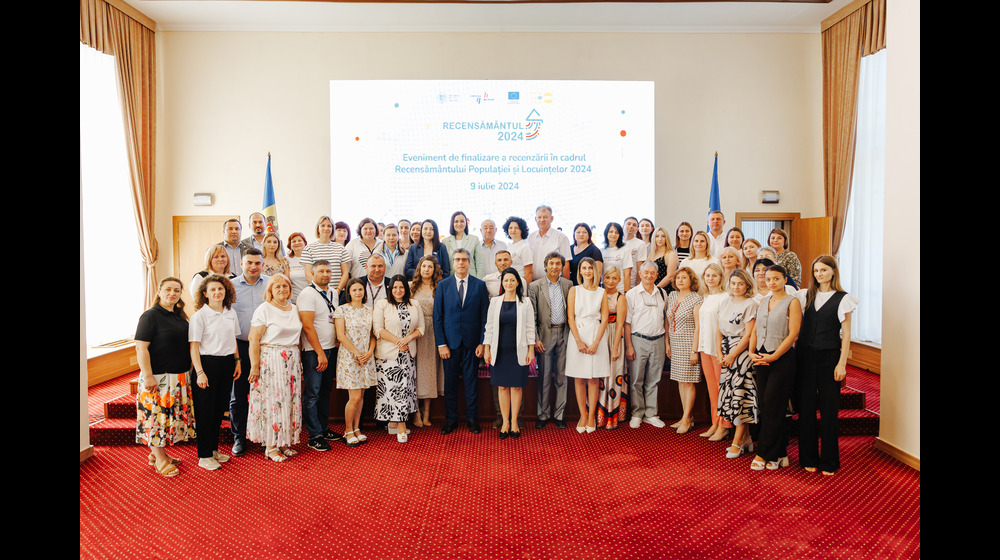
x: 866, y: 356
x: 111, y: 365
x: 87, y: 453
x: 897, y: 453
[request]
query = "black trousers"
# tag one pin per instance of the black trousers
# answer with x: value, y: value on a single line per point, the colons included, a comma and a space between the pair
x: 774, y: 388
x: 239, y: 401
x: 815, y: 375
x: 211, y: 403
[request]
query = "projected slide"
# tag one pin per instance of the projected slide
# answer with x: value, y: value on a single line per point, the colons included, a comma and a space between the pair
x: 491, y: 148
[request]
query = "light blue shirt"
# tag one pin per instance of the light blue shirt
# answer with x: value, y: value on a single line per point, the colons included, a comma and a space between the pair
x: 248, y: 298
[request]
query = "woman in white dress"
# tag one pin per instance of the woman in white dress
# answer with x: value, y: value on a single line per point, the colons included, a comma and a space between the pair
x: 275, y: 416
x: 587, y: 356
x: 708, y: 322
x: 460, y: 237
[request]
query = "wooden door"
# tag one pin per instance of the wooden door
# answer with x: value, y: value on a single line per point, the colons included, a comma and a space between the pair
x: 810, y: 238
x: 193, y: 235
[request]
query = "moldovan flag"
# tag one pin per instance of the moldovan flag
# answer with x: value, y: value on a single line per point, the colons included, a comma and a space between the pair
x: 270, y: 209
x: 713, y: 196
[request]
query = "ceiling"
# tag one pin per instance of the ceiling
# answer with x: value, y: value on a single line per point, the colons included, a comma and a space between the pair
x: 635, y: 17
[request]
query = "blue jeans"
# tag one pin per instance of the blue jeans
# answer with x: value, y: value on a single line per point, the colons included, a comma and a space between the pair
x: 316, y: 387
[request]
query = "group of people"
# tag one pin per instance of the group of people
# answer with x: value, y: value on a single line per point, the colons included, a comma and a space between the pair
x: 416, y: 316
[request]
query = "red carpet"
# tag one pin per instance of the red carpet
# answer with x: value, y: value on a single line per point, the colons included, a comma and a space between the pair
x: 639, y: 494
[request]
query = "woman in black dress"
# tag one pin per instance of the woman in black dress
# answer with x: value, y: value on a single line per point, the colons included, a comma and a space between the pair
x: 509, y: 346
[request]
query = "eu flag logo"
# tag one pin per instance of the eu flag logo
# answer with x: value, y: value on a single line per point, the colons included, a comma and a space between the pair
x: 513, y: 95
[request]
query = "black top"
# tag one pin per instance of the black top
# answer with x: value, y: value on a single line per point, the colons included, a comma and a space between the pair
x: 821, y: 329
x: 574, y: 263
x: 167, y: 335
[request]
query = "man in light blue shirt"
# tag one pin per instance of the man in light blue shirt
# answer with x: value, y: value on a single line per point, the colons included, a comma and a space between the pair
x: 249, y: 288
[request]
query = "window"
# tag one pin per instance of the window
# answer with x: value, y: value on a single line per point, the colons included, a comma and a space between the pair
x: 860, y: 256
x: 113, y: 272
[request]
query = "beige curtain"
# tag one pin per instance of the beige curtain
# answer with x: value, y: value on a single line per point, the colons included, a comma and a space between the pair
x: 844, y: 43
x: 117, y: 29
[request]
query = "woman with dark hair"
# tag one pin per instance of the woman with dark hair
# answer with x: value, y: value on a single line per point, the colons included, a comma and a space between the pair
x: 275, y: 416
x: 216, y: 262
x: 327, y: 247
x: 778, y: 240
x: 509, y: 346
x: 779, y: 317
x: 212, y: 335
x: 646, y: 232
x: 416, y: 229
x: 342, y: 233
x: 615, y: 254
x: 392, y: 252
x: 823, y: 346
x: 165, y: 411
x: 429, y: 244
x: 682, y: 240
x: 521, y: 255
x: 355, y: 367
x: 734, y: 238
x: 581, y: 249
x: 363, y: 246
x: 296, y: 270
x: 461, y: 238
x: 587, y: 356
x: 760, y: 267
x: 430, y: 370
x: 397, y: 322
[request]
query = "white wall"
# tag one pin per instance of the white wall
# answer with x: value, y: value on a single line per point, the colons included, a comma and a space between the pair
x: 227, y: 98
x: 900, y: 407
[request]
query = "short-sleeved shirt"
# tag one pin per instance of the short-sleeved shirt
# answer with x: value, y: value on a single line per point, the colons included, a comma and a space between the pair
x: 332, y: 251
x: 646, y: 311
x: 167, y: 335
x: 214, y: 331
x: 521, y: 255
x: 283, y: 328
x: 311, y: 299
x: 553, y: 240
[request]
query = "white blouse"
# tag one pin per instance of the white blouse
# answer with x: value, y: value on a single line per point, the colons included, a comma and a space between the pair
x: 283, y: 327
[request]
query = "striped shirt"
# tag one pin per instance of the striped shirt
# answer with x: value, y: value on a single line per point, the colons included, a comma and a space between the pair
x: 332, y: 251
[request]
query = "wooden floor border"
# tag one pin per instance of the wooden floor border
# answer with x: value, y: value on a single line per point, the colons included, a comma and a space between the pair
x: 897, y: 453
x: 87, y: 453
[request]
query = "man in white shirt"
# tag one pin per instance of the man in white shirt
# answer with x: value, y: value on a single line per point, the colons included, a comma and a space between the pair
x: 316, y: 304
x: 636, y: 248
x: 645, y: 345
x: 376, y: 284
x: 490, y: 245
x: 716, y: 235
x: 543, y: 241
x: 501, y: 261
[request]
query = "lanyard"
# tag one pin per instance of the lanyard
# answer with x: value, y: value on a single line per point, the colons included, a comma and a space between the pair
x: 326, y: 298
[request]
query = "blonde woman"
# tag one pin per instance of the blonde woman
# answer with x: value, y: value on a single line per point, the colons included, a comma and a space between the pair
x: 700, y: 257
x: 587, y: 357
x: 275, y: 416
x: 749, y: 249
x: 661, y: 253
x: 274, y: 262
x: 737, y: 386
x: 610, y: 406
x: 708, y: 316
x: 730, y: 259
x: 216, y: 262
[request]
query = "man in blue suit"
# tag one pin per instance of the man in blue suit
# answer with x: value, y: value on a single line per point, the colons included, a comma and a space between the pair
x: 460, y: 305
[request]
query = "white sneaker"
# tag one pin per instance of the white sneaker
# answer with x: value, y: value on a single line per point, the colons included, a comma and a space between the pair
x: 220, y: 457
x: 401, y: 438
x: 209, y: 463
x: 634, y: 422
x: 655, y: 421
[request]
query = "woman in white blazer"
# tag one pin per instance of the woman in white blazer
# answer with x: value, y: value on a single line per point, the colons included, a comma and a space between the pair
x: 509, y: 346
x: 396, y: 322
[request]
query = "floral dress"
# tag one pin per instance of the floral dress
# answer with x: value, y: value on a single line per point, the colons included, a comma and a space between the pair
x: 612, y: 401
x: 737, y: 386
x: 395, y: 397
x: 275, y: 414
x: 358, y: 327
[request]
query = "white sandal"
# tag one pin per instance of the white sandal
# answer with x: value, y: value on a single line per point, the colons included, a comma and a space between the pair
x: 350, y: 440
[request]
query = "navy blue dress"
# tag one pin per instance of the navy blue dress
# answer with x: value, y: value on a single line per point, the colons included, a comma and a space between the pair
x: 507, y: 372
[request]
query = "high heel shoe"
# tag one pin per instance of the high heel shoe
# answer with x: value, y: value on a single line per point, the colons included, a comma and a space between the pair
x: 711, y: 431
x: 758, y: 464
x: 776, y: 464
x: 591, y: 429
x: 719, y: 435
x: 685, y: 428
